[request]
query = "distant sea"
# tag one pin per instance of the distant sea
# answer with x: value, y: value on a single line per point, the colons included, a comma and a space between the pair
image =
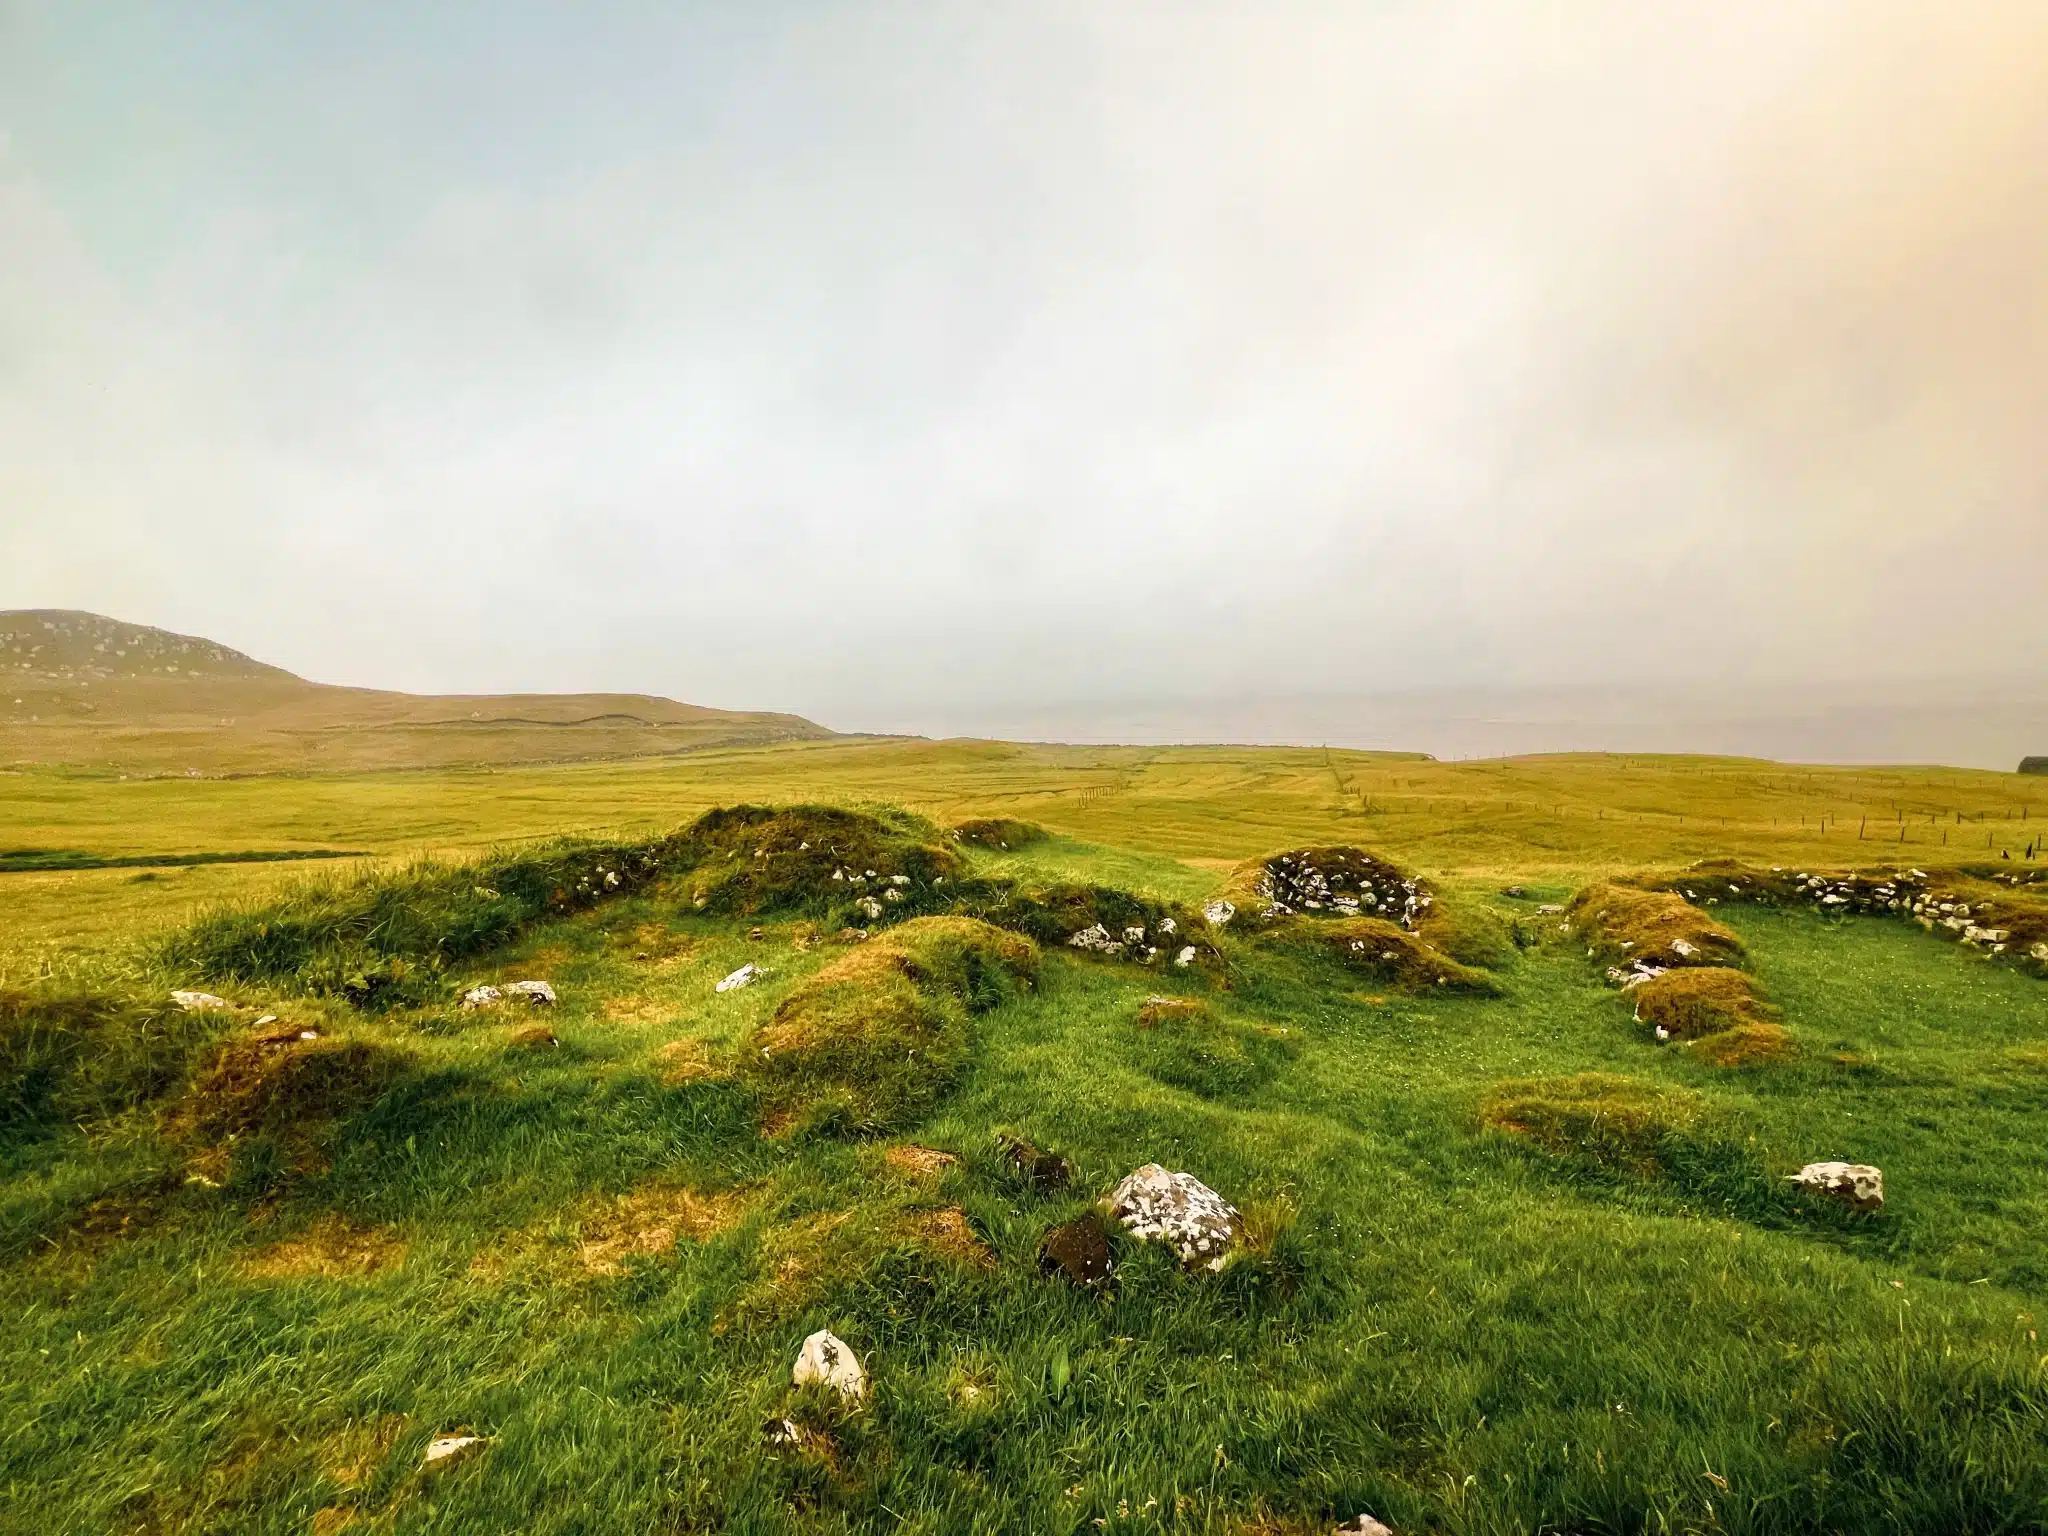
x: 1973, y: 725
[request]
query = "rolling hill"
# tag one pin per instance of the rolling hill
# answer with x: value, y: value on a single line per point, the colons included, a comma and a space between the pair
x: 81, y: 690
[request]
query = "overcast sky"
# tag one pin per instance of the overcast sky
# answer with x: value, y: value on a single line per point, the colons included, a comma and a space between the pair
x: 864, y: 359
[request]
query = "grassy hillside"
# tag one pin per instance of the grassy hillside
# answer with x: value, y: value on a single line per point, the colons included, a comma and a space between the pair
x: 82, y: 690
x: 1508, y: 1263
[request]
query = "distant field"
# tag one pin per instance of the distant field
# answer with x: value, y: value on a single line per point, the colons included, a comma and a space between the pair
x: 1509, y: 1265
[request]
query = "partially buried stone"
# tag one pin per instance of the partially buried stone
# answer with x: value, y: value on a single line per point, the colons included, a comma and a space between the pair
x: 1043, y: 1171
x: 538, y: 993
x: 1219, y: 912
x: 1857, y: 1185
x: 1078, y: 1251
x: 826, y: 1360
x: 1364, y: 1525
x: 446, y: 1450
x: 745, y: 976
x: 1179, y: 1210
x: 481, y: 997
x: 199, y: 1002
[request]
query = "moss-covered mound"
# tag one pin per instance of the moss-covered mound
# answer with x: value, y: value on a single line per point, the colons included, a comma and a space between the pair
x: 877, y: 1037
x: 290, y: 1089
x: 998, y: 833
x: 1383, y: 953
x: 1761, y: 1044
x: 1633, y: 929
x: 820, y: 861
x: 1613, y: 1123
x: 1696, y: 1001
x: 1095, y: 919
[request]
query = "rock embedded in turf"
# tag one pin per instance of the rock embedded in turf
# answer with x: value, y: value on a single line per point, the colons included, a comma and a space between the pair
x: 481, y: 997
x: 1177, y: 1209
x: 745, y: 976
x: 538, y: 993
x: 446, y: 1450
x: 1219, y: 912
x: 1043, y: 1171
x: 1857, y: 1185
x: 826, y: 1360
x: 1364, y: 1525
x: 1078, y: 1251
x: 200, y: 1002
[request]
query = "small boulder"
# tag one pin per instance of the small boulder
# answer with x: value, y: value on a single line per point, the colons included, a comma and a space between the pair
x: 1186, y: 957
x: 481, y: 997
x: 826, y: 1359
x: 446, y: 1450
x: 1857, y: 1185
x: 745, y: 976
x: 537, y: 993
x: 200, y: 1002
x: 1078, y: 1251
x: 1364, y: 1525
x: 1179, y: 1210
x: 1219, y: 911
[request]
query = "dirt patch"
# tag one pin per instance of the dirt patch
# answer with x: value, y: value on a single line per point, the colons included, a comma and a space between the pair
x: 650, y: 1222
x: 803, y: 1261
x: 947, y: 1233
x: 639, y: 1009
x: 331, y: 1249
x: 920, y: 1162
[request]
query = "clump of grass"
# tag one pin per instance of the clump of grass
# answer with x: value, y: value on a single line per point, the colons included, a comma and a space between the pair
x: 874, y: 1039
x: 74, y: 1055
x: 998, y: 833
x: 1155, y: 1011
x: 385, y: 938
x: 816, y: 860
x: 804, y: 1261
x: 1601, y: 1120
x: 1388, y: 955
x: 1694, y: 1002
x: 1470, y: 935
x: 1624, y: 924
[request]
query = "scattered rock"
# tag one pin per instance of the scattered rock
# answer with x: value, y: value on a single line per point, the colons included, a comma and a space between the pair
x: 481, y: 997
x: 826, y: 1359
x: 538, y: 993
x: 1043, y: 1171
x: 1078, y: 1251
x: 200, y: 1002
x: 1186, y: 957
x: 1364, y: 1525
x: 1857, y: 1185
x: 1219, y: 911
x: 446, y: 1450
x: 1550, y: 909
x: 1179, y: 1210
x: 1097, y: 938
x: 745, y: 976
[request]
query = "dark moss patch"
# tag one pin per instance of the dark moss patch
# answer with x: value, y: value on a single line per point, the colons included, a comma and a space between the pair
x: 1078, y: 1252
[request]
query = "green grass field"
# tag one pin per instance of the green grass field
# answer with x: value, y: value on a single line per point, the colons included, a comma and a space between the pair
x: 242, y: 1313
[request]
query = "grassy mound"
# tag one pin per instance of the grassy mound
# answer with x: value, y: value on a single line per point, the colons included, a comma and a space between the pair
x: 1690, y: 1003
x: 1214, y: 1058
x: 998, y: 833
x: 1616, y: 1124
x: 288, y: 1089
x: 1625, y: 925
x: 76, y: 1055
x: 1761, y: 1044
x: 846, y: 868
x: 1387, y: 955
x: 1470, y: 935
x: 874, y: 1039
x: 1333, y: 882
x: 384, y: 939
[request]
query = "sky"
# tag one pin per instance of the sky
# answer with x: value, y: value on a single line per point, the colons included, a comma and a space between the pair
x: 901, y: 364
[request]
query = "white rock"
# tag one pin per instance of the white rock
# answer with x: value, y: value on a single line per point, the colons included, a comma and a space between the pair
x: 1135, y: 934
x: 1179, y: 1210
x: 1219, y: 912
x: 447, y: 1449
x: 745, y: 976
x: 870, y: 907
x: 825, y: 1358
x: 899, y: 879
x: 1166, y: 925
x: 1857, y: 1184
x: 1187, y: 956
x: 1364, y: 1525
x: 538, y: 993
x: 481, y: 997
x: 1549, y: 909
x: 199, y: 1002
x: 1682, y: 947
x: 1095, y: 937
